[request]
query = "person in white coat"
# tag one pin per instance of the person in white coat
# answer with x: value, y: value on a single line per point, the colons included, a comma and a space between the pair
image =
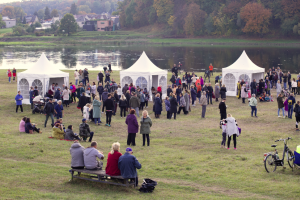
x: 231, y: 130
x: 65, y: 96
x: 278, y: 89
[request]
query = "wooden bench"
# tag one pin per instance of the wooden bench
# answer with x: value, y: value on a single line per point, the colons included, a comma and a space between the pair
x: 101, y: 177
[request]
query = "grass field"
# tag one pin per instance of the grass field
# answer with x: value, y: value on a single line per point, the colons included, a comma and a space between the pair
x: 184, y: 157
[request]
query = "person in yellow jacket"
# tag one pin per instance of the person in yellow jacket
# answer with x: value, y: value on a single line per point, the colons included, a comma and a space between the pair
x: 58, y: 131
x: 239, y: 88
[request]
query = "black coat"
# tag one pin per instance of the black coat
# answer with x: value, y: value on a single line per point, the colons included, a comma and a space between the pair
x: 116, y: 97
x: 109, y: 104
x: 100, y: 90
x: 297, y: 110
x: 49, y: 108
x: 253, y: 85
x: 222, y: 107
x: 210, y: 90
x: 123, y: 103
x: 82, y: 101
x: 128, y: 96
x: 223, y: 92
x: 158, y: 105
x: 100, y: 75
x: 169, y: 90
x: 124, y: 90
x: 174, y: 104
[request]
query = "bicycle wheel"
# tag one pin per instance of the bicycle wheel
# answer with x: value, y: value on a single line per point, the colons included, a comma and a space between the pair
x: 291, y: 159
x: 270, y: 165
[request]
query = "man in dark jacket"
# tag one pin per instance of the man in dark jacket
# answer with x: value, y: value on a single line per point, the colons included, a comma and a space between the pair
x: 100, y: 77
x: 110, y: 107
x: 57, y: 94
x: 210, y: 90
x: 100, y: 90
x: 124, y: 89
x: 223, y: 107
x: 175, y: 70
x: 169, y: 90
x: 128, y: 164
x: 134, y: 103
x: 49, y: 112
x: 173, y: 78
x: 70, y: 135
x: 84, y: 131
x: 86, y: 76
x: 104, y: 98
x: 253, y: 87
x: 297, y: 114
x: 291, y: 102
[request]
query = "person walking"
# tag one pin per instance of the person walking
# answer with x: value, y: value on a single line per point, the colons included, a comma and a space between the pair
x: 123, y: 105
x: 203, y: 103
x: 278, y: 88
x: 97, y: 110
x: 19, y: 99
x: 231, y: 130
x: 146, y: 124
x: 109, y: 105
x: 133, y: 127
x: 280, y: 105
x: 49, y: 112
x: 134, y: 103
x: 253, y: 104
x: 223, y: 108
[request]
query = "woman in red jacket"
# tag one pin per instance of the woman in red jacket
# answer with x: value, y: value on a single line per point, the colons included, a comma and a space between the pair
x: 159, y: 91
x: 9, y: 75
x: 112, y: 160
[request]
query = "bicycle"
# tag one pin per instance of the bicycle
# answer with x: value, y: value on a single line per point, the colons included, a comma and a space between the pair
x: 271, y: 159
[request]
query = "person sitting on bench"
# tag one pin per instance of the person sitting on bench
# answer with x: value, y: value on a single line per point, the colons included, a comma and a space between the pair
x: 70, y: 135
x: 128, y: 165
x: 84, y: 131
x: 112, y: 160
x: 90, y: 155
x: 76, y: 152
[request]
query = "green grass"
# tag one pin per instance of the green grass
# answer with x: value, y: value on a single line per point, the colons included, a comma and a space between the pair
x: 184, y: 157
x: 5, y: 30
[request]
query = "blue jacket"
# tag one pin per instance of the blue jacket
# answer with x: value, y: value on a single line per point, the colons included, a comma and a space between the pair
x: 168, y: 105
x: 177, y: 81
x: 31, y: 95
x: 57, y: 95
x: 59, y: 108
x: 28, y: 127
x: 128, y: 164
x: 19, y: 99
x: 291, y: 101
x: 142, y: 98
x: 193, y: 94
x: 104, y: 96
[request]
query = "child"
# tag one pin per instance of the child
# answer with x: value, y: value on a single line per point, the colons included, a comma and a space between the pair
x: 267, y: 99
x: 86, y: 113
x: 271, y: 98
x: 223, y: 124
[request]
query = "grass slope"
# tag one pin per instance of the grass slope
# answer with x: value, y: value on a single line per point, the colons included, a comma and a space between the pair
x: 184, y: 157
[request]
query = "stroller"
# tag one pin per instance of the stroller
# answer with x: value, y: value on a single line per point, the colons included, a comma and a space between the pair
x: 37, y: 109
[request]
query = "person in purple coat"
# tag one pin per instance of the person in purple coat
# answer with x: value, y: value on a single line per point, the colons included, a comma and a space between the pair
x: 133, y: 127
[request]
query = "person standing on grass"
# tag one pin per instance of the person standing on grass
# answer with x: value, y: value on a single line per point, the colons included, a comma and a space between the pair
x: 133, y: 127
x: 19, y: 99
x: 158, y: 106
x: 14, y: 72
x: 203, y: 103
x: 280, y: 105
x: 146, y: 124
x: 100, y: 78
x: 253, y: 86
x: 231, y: 130
x: 59, y: 110
x: 66, y: 96
x: 49, y: 112
x: 109, y: 107
x: 291, y: 102
x: 134, y: 103
x: 123, y: 105
x: 97, y: 110
x: 210, y: 91
x: 298, y: 86
x: 297, y: 114
x: 244, y: 94
x: 104, y: 98
x: 294, y: 86
x: 194, y: 95
x: 173, y: 106
x: 9, y: 75
x: 253, y: 104
x: 187, y: 101
x: 76, y: 76
x: 199, y: 90
x: 85, y: 131
x: 182, y: 104
x: 223, y: 92
x: 82, y: 102
x: 217, y: 92
x: 278, y: 88
x: 223, y: 143
x: 223, y: 108
x: 168, y: 105
x: 128, y: 164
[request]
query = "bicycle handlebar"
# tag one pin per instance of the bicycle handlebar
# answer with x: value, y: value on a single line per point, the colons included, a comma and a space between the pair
x: 289, y: 138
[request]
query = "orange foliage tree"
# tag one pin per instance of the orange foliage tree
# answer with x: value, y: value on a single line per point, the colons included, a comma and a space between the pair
x: 291, y: 8
x: 8, y: 11
x: 195, y: 19
x: 257, y: 18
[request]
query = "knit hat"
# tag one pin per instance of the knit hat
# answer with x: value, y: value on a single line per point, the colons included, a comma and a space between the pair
x: 128, y: 149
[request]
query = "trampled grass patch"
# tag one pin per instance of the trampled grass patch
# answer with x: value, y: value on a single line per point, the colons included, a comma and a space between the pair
x: 184, y: 155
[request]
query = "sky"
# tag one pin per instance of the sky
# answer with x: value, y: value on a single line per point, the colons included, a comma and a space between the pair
x: 8, y: 1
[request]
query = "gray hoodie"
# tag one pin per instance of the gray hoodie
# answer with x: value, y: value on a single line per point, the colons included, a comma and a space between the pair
x: 90, y: 155
x: 76, y: 152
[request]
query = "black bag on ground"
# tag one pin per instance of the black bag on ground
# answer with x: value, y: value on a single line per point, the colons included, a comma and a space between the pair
x: 148, y: 185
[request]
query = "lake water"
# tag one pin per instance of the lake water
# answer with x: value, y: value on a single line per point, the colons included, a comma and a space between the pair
x: 121, y: 57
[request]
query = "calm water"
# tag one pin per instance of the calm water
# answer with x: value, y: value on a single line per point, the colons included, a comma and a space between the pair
x: 122, y: 57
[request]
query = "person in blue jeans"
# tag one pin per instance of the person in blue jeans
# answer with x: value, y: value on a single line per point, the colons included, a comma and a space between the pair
x: 280, y: 105
x: 253, y: 104
x: 291, y: 102
x: 59, y: 110
x: 49, y: 112
x: 178, y: 92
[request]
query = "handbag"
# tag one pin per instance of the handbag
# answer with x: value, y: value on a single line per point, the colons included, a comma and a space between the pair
x: 213, y: 96
x: 30, y: 131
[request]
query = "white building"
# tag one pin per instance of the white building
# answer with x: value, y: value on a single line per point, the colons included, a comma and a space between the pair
x: 9, y: 22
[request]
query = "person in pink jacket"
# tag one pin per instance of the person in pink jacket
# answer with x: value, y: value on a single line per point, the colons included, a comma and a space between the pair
x: 201, y: 81
x: 22, y: 125
x: 73, y: 90
x: 9, y: 75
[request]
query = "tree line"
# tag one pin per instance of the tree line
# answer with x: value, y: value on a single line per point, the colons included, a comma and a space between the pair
x: 214, y: 17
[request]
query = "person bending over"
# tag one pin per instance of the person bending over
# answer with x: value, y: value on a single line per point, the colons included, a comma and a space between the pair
x: 90, y: 155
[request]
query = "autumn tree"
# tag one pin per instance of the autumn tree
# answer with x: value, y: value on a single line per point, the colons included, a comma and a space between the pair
x: 2, y: 23
x: 9, y: 11
x: 164, y: 9
x: 257, y: 18
x: 54, y: 13
x: 47, y: 13
x: 195, y: 19
x: 84, y: 8
x: 68, y: 24
x: 291, y: 8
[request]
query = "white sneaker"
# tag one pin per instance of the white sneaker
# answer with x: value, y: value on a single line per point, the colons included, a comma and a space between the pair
x: 279, y: 116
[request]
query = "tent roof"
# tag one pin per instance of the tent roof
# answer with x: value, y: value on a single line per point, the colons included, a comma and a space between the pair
x: 43, y: 68
x: 143, y: 65
x: 244, y: 64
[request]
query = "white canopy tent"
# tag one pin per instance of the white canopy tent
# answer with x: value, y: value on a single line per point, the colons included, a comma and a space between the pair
x: 243, y: 68
x: 42, y: 75
x: 145, y: 74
